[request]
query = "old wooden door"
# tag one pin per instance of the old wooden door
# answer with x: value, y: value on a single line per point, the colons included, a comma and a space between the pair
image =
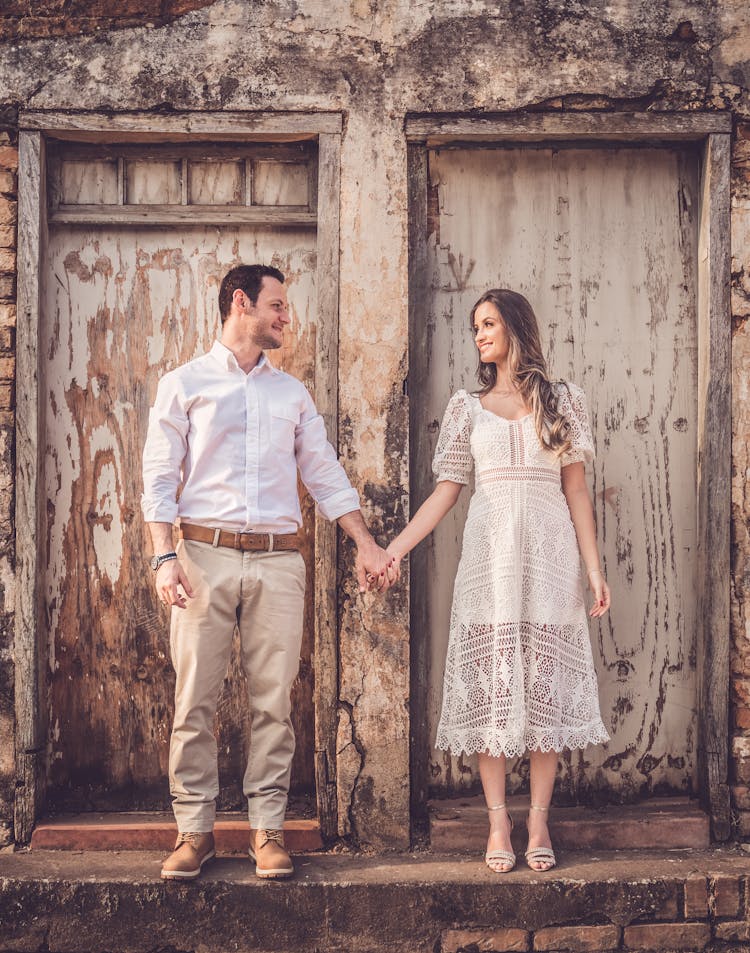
x: 138, y: 244
x: 603, y: 243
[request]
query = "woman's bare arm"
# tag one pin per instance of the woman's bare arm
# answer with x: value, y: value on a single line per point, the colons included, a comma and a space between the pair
x: 582, y: 513
x: 438, y: 503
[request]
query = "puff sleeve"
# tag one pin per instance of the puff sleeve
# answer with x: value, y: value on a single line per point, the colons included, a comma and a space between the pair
x: 572, y: 403
x: 452, y: 460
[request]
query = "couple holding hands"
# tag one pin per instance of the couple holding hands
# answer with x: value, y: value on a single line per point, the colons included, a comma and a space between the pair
x: 233, y: 431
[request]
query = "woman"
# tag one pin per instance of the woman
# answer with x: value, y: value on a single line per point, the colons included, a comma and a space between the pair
x: 519, y: 673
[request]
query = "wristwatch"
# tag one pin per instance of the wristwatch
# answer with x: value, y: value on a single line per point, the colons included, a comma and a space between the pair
x: 156, y: 561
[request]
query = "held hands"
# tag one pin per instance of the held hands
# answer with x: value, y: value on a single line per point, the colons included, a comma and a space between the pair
x: 169, y: 576
x: 376, y: 570
x: 600, y: 589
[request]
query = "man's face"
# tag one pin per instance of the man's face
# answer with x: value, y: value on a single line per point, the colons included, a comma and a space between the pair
x: 267, y: 317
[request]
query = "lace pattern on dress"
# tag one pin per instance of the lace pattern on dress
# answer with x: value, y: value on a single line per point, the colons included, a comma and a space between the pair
x: 452, y: 460
x: 572, y: 403
x: 519, y: 669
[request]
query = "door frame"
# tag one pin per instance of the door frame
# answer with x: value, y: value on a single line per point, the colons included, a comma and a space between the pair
x: 35, y: 128
x: 712, y: 133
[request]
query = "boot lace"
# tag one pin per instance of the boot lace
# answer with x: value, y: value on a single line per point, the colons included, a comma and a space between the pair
x: 266, y: 836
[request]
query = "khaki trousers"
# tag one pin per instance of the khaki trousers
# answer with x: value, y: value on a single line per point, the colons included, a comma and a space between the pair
x: 263, y: 594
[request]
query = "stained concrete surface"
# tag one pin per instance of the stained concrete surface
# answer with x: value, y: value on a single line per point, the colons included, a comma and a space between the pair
x: 77, y: 902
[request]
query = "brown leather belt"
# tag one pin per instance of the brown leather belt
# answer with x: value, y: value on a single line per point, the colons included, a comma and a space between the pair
x: 247, y: 542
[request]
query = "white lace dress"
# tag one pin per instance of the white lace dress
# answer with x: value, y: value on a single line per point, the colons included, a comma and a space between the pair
x: 519, y: 672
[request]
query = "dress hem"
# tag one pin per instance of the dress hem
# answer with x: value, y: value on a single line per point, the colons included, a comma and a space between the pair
x: 566, y: 739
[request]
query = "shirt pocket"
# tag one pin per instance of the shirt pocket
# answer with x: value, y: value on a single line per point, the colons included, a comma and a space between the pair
x: 283, y: 426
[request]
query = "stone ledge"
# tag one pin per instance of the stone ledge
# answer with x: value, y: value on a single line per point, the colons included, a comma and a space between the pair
x: 82, y: 902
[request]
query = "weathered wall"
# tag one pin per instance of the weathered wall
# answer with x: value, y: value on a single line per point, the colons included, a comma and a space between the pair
x: 8, y: 166
x: 740, y: 657
x: 377, y: 60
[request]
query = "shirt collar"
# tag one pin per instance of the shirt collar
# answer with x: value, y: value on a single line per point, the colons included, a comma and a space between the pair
x: 224, y: 356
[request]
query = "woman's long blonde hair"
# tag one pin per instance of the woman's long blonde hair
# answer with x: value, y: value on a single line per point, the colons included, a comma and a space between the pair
x: 527, y: 366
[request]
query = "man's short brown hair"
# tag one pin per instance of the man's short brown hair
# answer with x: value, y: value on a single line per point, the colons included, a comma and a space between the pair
x: 247, y: 278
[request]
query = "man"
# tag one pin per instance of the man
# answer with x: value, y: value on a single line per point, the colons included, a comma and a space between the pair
x: 233, y: 431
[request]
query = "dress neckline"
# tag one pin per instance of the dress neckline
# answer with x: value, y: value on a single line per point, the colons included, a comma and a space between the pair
x: 507, y: 420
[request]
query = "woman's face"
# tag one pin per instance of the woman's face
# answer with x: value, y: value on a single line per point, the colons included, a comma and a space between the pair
x: 490, y: 335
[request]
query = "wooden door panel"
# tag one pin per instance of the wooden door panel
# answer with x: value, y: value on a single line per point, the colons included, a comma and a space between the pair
x: 603, y: 243
x: 123, y: 306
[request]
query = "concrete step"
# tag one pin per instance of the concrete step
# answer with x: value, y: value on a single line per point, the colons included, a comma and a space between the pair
x: 461, y: 825
x: 157, y: 831
x: 87, y: 902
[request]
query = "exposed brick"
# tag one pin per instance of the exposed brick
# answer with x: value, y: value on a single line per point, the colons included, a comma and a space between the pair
x: 7, y: 315
x: 741, y: 690
x: 8, y: 212
x: 725, y: 896
x: 8, y: 157
x: 7, y: 287
x: 7, y: 397
x: 733, y: 931
x: 76, y: 26
x: 7, y: 418
x: 7, y: 236
x: 742, y: 717
x: 485, y: 941
x: 45, y: 8
x: 7, y: 339
x: 176, y: 8
x: 39, y: 27
x: 8, y: 28
x: 743, y: 823
x: 667, y: 936
x: 696, y: 898
x: 741, y: 797
x: 105, y: 9
x: 7, y: 182
x: 578, y: 939
x: 19, y: 8
x: 7, y: 260
x: 7, y: 368
x: 670, y: 908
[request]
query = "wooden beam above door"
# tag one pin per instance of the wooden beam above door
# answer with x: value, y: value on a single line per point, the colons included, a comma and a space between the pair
x: 543, y: 127
x: 142, y: 127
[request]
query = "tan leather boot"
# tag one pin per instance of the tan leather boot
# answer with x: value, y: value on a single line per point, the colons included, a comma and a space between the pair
x: 272, y: 860
x: 190, y: 853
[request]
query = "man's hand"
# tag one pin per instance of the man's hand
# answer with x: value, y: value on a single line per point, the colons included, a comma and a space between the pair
x: 376, y: 571
x: 169, y: 576
x: 372, y: 564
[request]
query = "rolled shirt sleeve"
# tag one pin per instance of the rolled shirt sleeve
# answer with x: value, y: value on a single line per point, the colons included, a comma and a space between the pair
x: 164, y: 452
x: 319, y: 467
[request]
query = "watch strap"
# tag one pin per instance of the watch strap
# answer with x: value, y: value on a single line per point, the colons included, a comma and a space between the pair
x: 158, y: 561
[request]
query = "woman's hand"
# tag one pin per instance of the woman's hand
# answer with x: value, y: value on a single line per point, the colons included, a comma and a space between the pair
x: 394, y: 566
x: 598, y: 585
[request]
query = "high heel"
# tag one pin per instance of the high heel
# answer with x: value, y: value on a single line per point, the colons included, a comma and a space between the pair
x: 504, y: 856
x: 540, y: 855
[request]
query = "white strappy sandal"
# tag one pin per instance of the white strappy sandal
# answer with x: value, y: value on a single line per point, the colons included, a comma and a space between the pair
x: 540, y: 855
x: 504, y: 856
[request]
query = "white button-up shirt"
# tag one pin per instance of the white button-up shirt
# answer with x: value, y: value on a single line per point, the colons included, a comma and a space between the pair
x: 235, y: 441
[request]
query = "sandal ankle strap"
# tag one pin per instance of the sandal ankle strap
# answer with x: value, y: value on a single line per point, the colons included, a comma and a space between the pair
x: 496, y: 807
x: 535, y: 807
